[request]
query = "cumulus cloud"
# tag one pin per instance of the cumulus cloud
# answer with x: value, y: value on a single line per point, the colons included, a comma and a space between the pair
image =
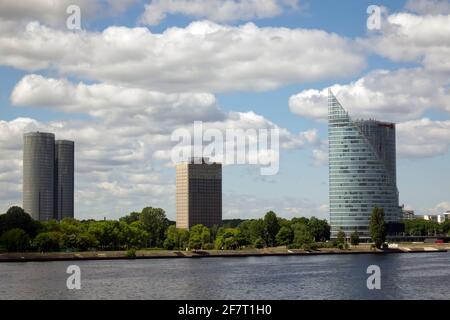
x: 125, y: 143
x: 287, y: 207
x: 399, y: 95
x: 203, y: 56
x: 425, y: 7
x: 216, y: 10
x: 414, y: 38
x: 54, y: 13
x: 423, y: 138
x: 139, y: 108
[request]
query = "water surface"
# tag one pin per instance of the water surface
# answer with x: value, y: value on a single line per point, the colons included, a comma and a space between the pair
x: 403, y: 276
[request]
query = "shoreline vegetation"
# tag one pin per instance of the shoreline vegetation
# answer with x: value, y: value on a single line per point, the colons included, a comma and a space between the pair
x: 167, y: 254
x: 149, y: 234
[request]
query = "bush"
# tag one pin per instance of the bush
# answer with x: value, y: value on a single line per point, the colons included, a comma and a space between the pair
x: 329, y: 244
x: 208, y: 246
x: 259, y: 243
x: 15, y: 240
x: 131, y: 254
x: 169, y: 244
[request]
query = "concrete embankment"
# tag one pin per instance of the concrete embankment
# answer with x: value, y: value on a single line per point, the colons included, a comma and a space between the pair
x: 163, y: 254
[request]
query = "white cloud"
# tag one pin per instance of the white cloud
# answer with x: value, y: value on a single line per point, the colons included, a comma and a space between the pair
x: 204, y: 56
x: 54, y: 13
x: 287, y: 207
x: 442, y: 207
x: 320, y: 155
x: 121, y: 149
x: 414, y: 38
x: 425, y: 7
x: 138, y: 108
x: 216, y: 10
x: 423, y: 138
x: 399, y: 95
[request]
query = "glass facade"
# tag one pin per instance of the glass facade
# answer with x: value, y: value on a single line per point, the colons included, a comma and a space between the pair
x: 362, y: 171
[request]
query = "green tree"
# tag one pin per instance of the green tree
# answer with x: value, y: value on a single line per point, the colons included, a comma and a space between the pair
x: 271, y: 228
x: 15, y: 240
x: 229, y: 239
x: 17, y: 218
x: 320, y: 229
x: 199, y: 236
x: 132, y: 217
x: 354, y: 238
x: 156, y: 224
x: 214, y: 229
x: 340, y: 238
x: 176, y: 238
x: 108, y: 233
x: 302, y: 220
x: 85, y: 241
x: 285, y: 236
x: 445, y: 227
x: 51, y: 226
x: 302, y: 235
x: 252, y: 230
x: 47, y: 241
x: 377, y: 227
x: 259, y: 243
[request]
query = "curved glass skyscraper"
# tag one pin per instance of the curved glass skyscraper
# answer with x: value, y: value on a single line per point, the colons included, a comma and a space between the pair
x: 362, y: 168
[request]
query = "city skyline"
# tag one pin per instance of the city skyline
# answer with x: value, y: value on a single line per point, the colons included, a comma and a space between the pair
x: 139, y: 77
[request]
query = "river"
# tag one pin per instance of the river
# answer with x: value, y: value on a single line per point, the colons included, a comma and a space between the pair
x: 403, y: 276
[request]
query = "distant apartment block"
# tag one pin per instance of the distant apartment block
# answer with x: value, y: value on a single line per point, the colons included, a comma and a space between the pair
x: 439, y: 218
x: 362, y: 171
x: 48, y: 176
x: 408, y: 214
x: 198, y: 194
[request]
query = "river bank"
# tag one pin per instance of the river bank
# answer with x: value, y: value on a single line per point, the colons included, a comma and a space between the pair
x: 164, y: 254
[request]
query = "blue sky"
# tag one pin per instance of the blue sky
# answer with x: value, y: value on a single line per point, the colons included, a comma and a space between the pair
x: 110, y: 187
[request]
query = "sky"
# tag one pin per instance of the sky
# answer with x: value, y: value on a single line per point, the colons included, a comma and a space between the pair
x: 139, y: 69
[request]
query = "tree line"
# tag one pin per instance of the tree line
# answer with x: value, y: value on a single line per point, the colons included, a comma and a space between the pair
x: 150, y: 228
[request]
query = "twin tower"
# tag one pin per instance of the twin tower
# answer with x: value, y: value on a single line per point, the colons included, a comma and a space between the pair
x: 48, y: 176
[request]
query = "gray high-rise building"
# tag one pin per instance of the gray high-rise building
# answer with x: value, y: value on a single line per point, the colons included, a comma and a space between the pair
x: 362, y: 168
x: 199, y: 194
x: 64, y: 179
x: 39, y: 175
x: 48, y: 176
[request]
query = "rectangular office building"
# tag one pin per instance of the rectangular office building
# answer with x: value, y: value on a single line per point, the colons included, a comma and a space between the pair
x: 199, y: 193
